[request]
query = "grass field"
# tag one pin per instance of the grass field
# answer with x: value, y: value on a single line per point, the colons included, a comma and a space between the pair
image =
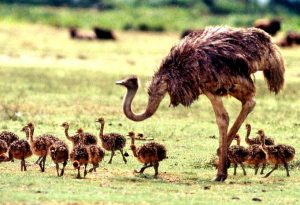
x: 47, y: 78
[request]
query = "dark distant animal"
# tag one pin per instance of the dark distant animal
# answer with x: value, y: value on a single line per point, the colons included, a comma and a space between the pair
x: 271, y: 26
x: 188, y: 31
x: 290, y: 39
x: 277, y: 154
x: 104, y: 34
x: 111, y: 141
x: 150, y: 154
x: 75, y: 34
x: 218, y: 62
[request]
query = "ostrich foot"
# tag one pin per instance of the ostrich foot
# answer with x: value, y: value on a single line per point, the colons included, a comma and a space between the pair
x: 220, y: 178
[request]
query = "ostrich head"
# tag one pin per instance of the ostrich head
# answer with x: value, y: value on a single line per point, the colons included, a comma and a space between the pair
x: 131, y: 83
x: 65, y: 125
x: 100, y: 120
x: 248, y: 126
x: 131, y: 134
x: 30, y: 125
x: 261, y: 134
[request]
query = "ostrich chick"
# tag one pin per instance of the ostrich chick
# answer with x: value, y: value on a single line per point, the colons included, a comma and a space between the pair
x: 8, y: 137
x: 59, y: 153
x: 80, y: 156
x: 3, y: 147
x: 150, y: 154
x: 238, y: 154
x: 277, y: 154
x: 20, y: 149
x: 96, y: 154
x: 111, y: 141
x: 255, y: 140
x: 256, y: 157
x: 88, y: 138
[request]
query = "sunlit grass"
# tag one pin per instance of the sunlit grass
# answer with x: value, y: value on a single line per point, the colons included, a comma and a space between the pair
x: 46, y: 80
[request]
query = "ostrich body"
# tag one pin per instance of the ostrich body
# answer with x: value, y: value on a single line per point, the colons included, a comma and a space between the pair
x: 238, y: 154
x: 96, y: 154
x: 256, y: 140
x: 217, y: 62
x: 256, y: 157
x: 88, y: 138
x: 40, y: 144
x: 8, y: 137
x: 111, y: 141
x: 59, y: 153
x: 277, y: 154
x: 150, y: 154
x: 3, y: 147
x: 20, y: 149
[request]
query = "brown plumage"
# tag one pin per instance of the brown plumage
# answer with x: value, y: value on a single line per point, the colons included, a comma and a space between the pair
x: 256, y: 158
x: 150, y: 154
x: 59, y: 153
x: 80, y: 156
x: 238, y: 154
x: 40, y: 144
x: 271, y: 26
x: 189, y: 31
x: 3, y: 147
x: 111, y: 141
x: 256, y: 140
x: 96, y: 154
x: 103, y: 34
x: 88, y: 139
x: 277, y: 154
x: 4, y: 158
x: 20, y: 149
x: 8, y: 137
x: 217, y: 62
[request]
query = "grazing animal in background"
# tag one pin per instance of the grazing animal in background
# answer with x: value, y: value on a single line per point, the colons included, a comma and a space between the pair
x: 111, y: 141
x: 104, y: 34
x: 40, y: 144
x: 271, y: 26
x: 59, y: 153
x: 277, y: 154
x: 20, y: 149
x: 75, y: 34
x: 88, y: 138
x: 150, y: 154
x: 238, y: 154
x: 189, y: 31
x: 290, y: 39
x: 217, y: 62
x: 80, y: 157
x: 96, y: 154
x: 256, y: 140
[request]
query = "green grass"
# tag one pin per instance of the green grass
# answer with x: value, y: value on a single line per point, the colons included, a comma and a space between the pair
x: 48, y: 79
x: 170, y: 18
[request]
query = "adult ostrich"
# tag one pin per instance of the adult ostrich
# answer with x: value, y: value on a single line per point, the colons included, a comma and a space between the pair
x: 217, y: 62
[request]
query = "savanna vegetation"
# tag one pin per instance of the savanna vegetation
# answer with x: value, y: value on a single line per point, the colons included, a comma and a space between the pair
x: 47, y: 78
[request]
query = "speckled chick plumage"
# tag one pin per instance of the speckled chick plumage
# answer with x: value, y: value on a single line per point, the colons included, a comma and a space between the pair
x: 8, y: 137
x: 256, y: 140
x: 20, y: 149
x: 3, y: 147
x: 59, y: 152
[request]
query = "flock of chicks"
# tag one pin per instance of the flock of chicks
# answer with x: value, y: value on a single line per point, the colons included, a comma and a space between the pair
x: 85, y: 149
x: 261, y: 150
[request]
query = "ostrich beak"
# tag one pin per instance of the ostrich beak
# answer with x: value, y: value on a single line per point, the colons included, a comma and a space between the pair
x: 120, y: 82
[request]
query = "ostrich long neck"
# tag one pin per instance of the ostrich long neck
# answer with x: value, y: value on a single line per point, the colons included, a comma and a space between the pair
x: 153, y: 103
x: 248, y: 133
x: 238, y: 141
x: 263, y: 142
x: 67, y: 133
x: 133, y: 147
x: 30, y: 132
x: 101, y: 130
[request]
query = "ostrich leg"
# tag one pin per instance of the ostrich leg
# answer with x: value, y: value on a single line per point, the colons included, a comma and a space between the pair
x: 222, y: 120
x: 244, y: 94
